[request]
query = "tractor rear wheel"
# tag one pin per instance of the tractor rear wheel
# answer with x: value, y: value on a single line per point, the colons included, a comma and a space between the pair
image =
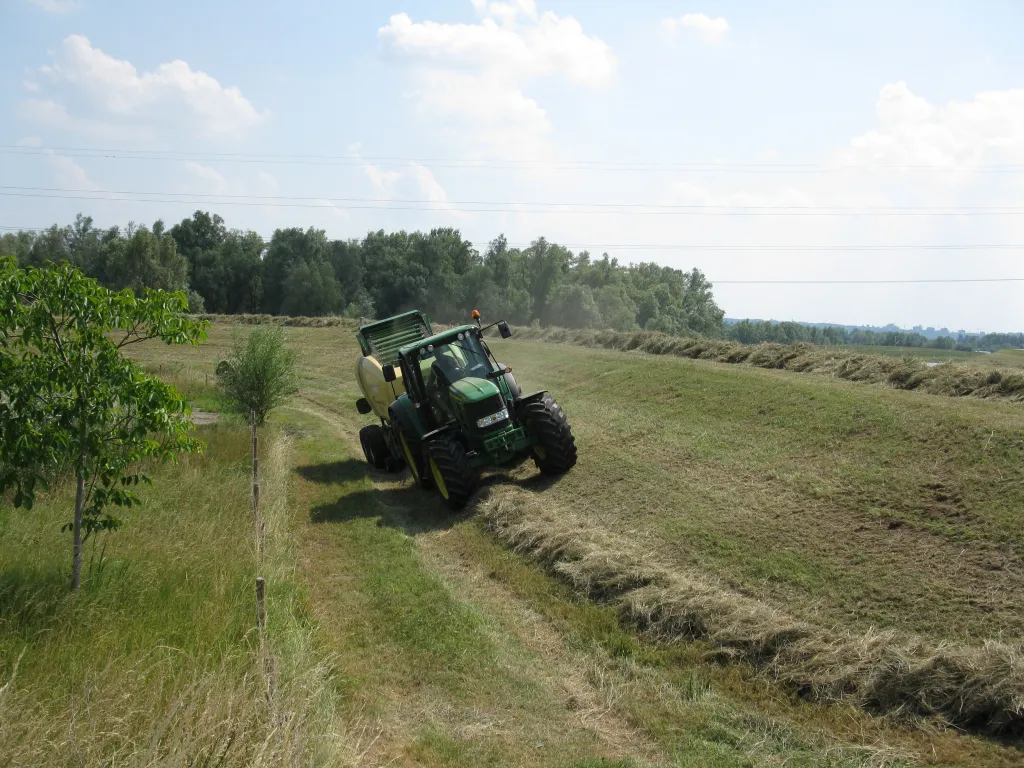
x: 554, y: 453
x: 413, y: 454
x: 375, y: 447
x: 449, y: 467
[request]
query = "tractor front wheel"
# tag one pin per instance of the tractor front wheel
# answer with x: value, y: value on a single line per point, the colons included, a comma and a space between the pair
x: 554, y: 453
x: 449, y: 468
x: 375, y: 446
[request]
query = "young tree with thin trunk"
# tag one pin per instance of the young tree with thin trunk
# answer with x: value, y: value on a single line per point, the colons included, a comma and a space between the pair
x: 71, y: 402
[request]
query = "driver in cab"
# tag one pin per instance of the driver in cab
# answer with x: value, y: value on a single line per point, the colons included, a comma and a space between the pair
x: 445, y: 369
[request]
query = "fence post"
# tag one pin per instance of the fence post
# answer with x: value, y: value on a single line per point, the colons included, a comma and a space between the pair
x: 257, y: 517
x: 261, y: 604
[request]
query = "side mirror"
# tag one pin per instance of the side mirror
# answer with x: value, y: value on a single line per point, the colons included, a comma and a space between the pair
x: 363, y: 406
x: 504, y: 330
x: 389, y: 373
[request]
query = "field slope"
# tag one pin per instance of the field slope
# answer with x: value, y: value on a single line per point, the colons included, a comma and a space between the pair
x: 856, y: 510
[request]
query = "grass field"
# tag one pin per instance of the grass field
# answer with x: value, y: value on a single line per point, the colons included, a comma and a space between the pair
x: 404, y: 635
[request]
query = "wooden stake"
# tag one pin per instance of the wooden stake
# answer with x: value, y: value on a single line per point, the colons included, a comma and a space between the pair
x: 257, y: 518
x: 261, y: 604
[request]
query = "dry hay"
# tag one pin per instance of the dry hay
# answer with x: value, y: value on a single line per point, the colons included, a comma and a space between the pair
x: 978, y: 688
x: 327, y: 321
x: 899, y: 373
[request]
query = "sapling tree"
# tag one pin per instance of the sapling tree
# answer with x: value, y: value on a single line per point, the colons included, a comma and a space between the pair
x: 260, y: 374
x: 70, y: 400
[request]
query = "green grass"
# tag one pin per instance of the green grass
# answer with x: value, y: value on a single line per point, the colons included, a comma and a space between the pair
x: 156, y: 661
x: 419, y: 648
x: 403, y: 634
x: 841, y: 503
x: 844, y: 502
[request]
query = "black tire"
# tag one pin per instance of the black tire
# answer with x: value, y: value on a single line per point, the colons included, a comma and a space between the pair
x: 555, y: 450
x: 449, y: 468
x: 375, y: 447
x: 412, y: 452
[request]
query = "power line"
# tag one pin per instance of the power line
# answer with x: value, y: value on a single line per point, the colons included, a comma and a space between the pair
x: 516, y: 206
x: 433, y: 206
x: 500, y: 163
x: 775, y: 247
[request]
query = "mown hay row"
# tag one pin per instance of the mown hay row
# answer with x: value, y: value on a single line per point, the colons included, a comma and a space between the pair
x: 292, y: 322
x: 979, y: 688
x: 900, y: 373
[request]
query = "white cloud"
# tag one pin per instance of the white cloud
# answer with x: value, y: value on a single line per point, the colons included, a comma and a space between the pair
x: 506, y: 12
x: 428, y: 184
x: 31, y: 86
x: 112, y: 97
x: 29, y: 141
x: 69, y: 174
x: 212, y: 180
x: 711, y: 30
x: 383, y: 181
x: 57, y: 6
x: 474, y: 76
x: 988, y: 129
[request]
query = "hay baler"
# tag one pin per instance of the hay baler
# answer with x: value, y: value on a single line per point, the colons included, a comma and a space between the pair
x: 447, y: 408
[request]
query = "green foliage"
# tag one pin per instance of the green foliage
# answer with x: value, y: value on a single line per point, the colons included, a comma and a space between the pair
x: 260, y: 374
x: 311, y: 290
x: 69, y: 398
x: 303, y: 272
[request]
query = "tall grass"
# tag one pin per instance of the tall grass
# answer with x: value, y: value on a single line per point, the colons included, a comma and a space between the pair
x: 156, y: 662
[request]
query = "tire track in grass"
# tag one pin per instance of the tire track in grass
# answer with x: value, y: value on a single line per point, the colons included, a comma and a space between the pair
x: 486, y: 680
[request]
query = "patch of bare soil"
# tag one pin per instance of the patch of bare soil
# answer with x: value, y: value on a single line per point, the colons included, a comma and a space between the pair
x: 204, y: 418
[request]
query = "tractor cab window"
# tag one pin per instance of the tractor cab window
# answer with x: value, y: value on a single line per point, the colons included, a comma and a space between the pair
x: 459, y: 358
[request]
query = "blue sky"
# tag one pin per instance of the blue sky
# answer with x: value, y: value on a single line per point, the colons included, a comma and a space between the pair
x: 700, y: 108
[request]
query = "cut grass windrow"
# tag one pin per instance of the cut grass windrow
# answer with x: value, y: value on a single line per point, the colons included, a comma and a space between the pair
x: 909, y: 373
x: 978, y: 688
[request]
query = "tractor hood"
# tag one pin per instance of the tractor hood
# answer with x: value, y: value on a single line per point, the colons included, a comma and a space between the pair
x: 473, y: 390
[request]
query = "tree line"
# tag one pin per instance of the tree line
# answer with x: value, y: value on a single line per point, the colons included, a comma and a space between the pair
x: 759, y: 331
x: 304, y: 272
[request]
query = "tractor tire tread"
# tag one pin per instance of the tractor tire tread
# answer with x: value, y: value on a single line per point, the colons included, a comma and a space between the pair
x: 375, y: 446
x: 458, y: 475
x: 547, y: 421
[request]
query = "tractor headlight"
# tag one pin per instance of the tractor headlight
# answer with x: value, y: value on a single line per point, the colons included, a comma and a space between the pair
x: 494, y: 418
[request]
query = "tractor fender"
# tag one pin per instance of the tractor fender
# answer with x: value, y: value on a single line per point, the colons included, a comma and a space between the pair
x: 526, y: 400
x: 402, y: 414
x: 530, y: 398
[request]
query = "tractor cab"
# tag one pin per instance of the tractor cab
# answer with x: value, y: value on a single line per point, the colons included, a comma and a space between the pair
x: 452, y: 377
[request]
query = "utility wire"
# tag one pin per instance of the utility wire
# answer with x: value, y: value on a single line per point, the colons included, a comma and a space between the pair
x: 673, y: 208
x: 432, y: 206
x: 777, y: 282
x: 546, y: 164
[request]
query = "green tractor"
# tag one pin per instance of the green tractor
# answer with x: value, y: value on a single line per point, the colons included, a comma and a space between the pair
x: 448, y: 408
